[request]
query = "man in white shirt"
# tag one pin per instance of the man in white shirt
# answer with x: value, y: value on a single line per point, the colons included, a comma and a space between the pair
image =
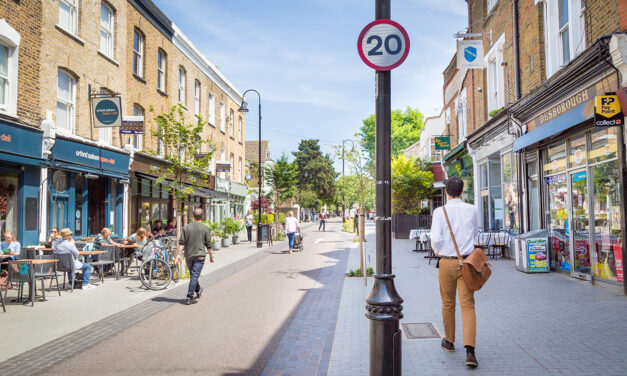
x: 464, y: 220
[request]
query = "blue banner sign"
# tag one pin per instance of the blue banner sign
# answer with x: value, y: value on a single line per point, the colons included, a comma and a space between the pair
x: 90, y: 156
x: 19, y: 140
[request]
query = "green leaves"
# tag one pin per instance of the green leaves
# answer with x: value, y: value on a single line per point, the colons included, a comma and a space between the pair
x: 412, y: 182
x: 315, y: 170
x: 406, y: 128
x: 283, y: 177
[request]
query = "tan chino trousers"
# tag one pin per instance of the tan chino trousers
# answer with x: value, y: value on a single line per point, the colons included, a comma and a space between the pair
x: 450, y: 277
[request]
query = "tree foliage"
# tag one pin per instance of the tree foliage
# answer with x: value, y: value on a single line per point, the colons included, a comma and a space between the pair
x: 406, y: 128
x: 358, y: 186
x: 412, y: 182
x: 315, y: 170
x: 283, y: 177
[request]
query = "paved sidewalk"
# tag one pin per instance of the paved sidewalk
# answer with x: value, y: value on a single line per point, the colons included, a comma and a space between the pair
x: 527, y: 324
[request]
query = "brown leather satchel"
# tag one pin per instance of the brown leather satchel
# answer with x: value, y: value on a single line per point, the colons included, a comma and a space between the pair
x: 475, y: 268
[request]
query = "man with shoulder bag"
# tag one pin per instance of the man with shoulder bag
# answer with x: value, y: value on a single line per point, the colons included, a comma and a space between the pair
x: 453, y: 231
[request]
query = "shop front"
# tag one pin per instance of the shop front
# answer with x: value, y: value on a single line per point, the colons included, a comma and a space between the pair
x: 459, y: 163
x: 86, y: 188
x: 149, y: 201
x: 574, y: 183
x: 20, y: 167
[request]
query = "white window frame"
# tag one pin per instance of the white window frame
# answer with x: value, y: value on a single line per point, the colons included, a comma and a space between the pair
x: 231, y: 123
x: 490, y: 4
x: 212, y: 109
x: 222, y: 117
x: 10, y: 39
x: 161, y: 66
x: 196, y: 97
x: 462, y: 115
x: 105, y: 33
x: 495, y: 75
x: 241, y: 178
x: 137, y: 139
x: 138, y: 54
x: 182, y: 81
x: 69, y: 104
x: 240, y: 129
x: 222, y: 159
x: 552, y: 41
x: 72, y: 27
x: 232, y: 170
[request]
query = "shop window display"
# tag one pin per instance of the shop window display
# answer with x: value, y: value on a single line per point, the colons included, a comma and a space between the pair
x: 8, y: 203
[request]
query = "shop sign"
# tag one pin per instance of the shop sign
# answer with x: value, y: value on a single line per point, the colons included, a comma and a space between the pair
x: 223, y: 167
x: 222, y: 185
x: 90, y: 156
x: 470, y: 54
x: 442, y: 143
x: 132, y: 125
x: 579, y: 176
x: 607, y: 111
x: 15, y: 139
x: 576, y: 102
x: 537, y: 254
x: 107, y: 111
x: 556, y: 179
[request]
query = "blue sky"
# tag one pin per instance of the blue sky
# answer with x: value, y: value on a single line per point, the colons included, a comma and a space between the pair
x: 301, y: 55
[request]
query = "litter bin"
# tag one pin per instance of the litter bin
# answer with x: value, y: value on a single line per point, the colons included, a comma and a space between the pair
x: 532, y: 251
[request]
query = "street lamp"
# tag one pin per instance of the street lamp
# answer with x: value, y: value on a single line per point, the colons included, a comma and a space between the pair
x: 243, y: 108
x: 343, y: 203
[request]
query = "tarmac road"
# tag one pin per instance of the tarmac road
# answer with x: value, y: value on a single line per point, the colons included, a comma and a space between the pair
x: 234, y: 328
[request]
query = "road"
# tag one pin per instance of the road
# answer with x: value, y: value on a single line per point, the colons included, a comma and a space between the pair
x: 234, y: 329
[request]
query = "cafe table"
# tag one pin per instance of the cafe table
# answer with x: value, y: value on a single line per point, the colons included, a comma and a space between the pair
x: 126, y: 255
x: 34, y: 262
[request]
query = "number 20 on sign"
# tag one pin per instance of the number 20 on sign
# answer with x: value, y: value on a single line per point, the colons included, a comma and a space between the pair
x: 383, y: 45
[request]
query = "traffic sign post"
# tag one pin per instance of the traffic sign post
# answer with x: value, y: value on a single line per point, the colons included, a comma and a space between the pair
x: 383, y: 45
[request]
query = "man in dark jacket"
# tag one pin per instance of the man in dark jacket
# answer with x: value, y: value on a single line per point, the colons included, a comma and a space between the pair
x: 196, y: 241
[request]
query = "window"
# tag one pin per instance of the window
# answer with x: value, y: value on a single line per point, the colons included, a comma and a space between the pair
x: 462, y: 114
x: 231, y: 171
x: 66, y: 98
x: 222, y: 116
x: 197, y: 97
x: 68, y: 15
x: 491, y: 4
x: 241, y: 135
x: 106, y: 30
x: 564, y: 32
x: 212, y: 109
x: 222, y: 159
x: 105, y: 134
x: 138, y: 53
x: 136, y: 139
x: 161, y: 70
x: 495, y: 75
x: 182, y: 86
x: 231, y: 127
x: 9, y: 46
x: 4, y: 76
x: 239, y: 170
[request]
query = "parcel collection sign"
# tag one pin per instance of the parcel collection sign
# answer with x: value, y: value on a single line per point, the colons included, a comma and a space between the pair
x: 607, y: 111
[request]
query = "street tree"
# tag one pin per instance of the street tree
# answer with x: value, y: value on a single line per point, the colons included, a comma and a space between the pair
x: 406, y: 128
x: 282, y: 175
x: 315, y: 170
x: 359, y: 184
x: 412, y: 182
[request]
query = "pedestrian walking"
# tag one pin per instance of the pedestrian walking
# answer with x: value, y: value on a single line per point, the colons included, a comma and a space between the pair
x: 196, y: 241
x: 291, y: 228
x: 248, y: 221
x: 323, y: 220
x: 464, y: 226
x: 356, y: 222
x: 313, y: 215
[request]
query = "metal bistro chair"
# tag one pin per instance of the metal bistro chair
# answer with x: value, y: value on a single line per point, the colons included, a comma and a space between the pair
x: 500, y: 244
x: 45, y: 271
x: 108, y: 258
x: 20, y: 272
x: 483, y: 241
x: 65, y: 264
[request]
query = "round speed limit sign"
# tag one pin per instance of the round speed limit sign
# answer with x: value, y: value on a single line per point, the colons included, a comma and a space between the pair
x: 383, y: 45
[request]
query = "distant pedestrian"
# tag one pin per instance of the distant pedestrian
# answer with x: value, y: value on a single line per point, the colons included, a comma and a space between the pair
x: 323, y: 220
x: 291, y: 228
x: 248, y: 221
x: 196, y: 241
x: 313, y: 215
x: 356, y: 221
x: 464, y: 220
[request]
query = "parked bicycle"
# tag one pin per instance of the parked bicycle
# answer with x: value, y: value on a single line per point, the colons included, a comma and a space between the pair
x: 159, y: 267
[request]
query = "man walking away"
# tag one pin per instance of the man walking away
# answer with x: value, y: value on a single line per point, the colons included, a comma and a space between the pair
x: 196, y: 241
x: 464, y: 220
x: 323, y: 220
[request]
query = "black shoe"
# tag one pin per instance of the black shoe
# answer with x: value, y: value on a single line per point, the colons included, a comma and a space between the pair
x: 190, y: 301
x: 199, y: 293
x: 471, y: 360
x: 446, y: 345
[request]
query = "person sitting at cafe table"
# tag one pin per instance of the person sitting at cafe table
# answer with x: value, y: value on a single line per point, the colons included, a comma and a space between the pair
x: 54, y: 237
x: 157, y: 228
x: 139, y: 238
x: 171, y: 225
x: 9, y: 245
x: 104, y: 238
x: 66, y: 246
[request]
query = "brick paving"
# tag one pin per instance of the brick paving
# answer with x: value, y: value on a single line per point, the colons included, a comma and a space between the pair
x: 527, y: 324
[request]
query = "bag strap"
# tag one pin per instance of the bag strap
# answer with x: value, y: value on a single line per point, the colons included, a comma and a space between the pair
x: 450, y: 229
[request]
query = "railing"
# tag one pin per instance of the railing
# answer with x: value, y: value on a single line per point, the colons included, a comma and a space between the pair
x: 403, y: 223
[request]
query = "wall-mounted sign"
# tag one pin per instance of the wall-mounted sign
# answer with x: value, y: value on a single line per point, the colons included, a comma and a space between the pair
x: 470, y: 54
x: 607, y: 111
x: 107, y: 111
x: 581, y: 103
x: 442, y: 143
x: 223, y: 167
x: 132, y: 125
x: 383, y: 45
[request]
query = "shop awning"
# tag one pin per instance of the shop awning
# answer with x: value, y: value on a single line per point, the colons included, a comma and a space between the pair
x: 200, y: 191
x: 454, y: 152
x: 551, y: 128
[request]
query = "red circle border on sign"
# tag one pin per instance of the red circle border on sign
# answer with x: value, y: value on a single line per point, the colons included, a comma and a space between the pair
x: 368, y: 27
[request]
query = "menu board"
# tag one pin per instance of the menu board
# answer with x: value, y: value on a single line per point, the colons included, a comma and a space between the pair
x: 538, y: 260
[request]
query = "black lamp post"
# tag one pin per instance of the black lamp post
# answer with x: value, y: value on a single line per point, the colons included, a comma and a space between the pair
x: 343, y: 203
x: 243, y: 108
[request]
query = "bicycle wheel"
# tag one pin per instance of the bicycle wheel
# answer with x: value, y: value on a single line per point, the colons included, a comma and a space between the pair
x: 176, y: 272
x: 155, y: 274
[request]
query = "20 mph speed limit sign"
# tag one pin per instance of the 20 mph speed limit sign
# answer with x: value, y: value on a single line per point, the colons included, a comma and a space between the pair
x: 383, y: 45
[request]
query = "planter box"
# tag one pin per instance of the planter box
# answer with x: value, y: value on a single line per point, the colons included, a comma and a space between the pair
x: 226, y: 242
x: 235, y: 239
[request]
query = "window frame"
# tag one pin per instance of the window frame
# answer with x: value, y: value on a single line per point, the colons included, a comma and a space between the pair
x: 138, y: 54
x: 161, y: 70
x: 491, y: 4
x: 240, y: 129
x: 222, y: 117
x: 231, y: 124
x: 137, y: 139
x: 4, y: 105
x: 197, y: 91
x: 495, y: 75
x: 69, y: 104
x: 182, y: 83
x: 110, y: 33
x: 73, y: 6
x: 553, y: 33
x: 211, y: 115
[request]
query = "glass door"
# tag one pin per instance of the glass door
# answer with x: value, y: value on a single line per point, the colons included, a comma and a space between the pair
x: 579, y: 224
x: 557, y: 188
x: 59, y: 215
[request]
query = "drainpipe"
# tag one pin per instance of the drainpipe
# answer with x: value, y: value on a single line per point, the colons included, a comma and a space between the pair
x: 516, y: 50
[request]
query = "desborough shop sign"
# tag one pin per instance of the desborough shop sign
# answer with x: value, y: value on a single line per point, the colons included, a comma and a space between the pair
x: 584, y: 98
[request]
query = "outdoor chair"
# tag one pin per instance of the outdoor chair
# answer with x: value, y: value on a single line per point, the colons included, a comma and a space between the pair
x: 20, y: 272
x: 483, y: 241
x: 45, y: 271
x: 65, y: 264
x: 24, y: 253
x: 108, y: 258
x: 500, y: 244
x: 2, y: 299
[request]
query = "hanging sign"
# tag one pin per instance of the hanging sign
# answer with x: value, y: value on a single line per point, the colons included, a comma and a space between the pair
x: 107, y: 111
x: 470, y: 54
x: 383, y: 45
x: 442, y: 143
x: 607, y: 111
x: 132, y: 125
x: 223, y: 167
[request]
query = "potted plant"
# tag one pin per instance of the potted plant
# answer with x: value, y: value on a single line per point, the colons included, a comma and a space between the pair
x: 232, y: 229
x: 224, y: 234
x: 216, y: 234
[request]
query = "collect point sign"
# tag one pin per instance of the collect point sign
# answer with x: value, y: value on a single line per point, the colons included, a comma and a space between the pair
x: 383, y: 45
